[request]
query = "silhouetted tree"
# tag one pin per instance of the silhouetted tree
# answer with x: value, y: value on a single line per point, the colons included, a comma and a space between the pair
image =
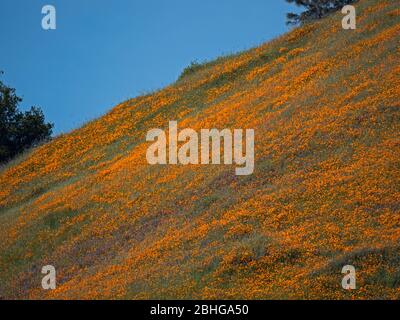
x: 314, y: 9
x: 19, y: 130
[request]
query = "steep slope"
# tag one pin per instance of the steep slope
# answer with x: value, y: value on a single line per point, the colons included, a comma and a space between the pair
x: 324, y: 104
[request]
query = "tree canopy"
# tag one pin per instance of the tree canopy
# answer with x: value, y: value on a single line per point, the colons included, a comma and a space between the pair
x: 19, y: 130
x: 314, y: 9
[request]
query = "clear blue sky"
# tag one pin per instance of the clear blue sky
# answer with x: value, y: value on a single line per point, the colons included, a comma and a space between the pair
x: 106, y: 51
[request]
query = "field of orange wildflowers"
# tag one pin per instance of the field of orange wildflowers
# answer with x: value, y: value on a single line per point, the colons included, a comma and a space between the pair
x: 324, y: 103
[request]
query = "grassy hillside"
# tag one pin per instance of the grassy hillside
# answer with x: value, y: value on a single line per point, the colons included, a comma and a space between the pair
x: 324, y: 104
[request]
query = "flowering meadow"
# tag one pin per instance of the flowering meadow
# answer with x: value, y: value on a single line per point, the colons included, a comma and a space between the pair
x: 325, y: 192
